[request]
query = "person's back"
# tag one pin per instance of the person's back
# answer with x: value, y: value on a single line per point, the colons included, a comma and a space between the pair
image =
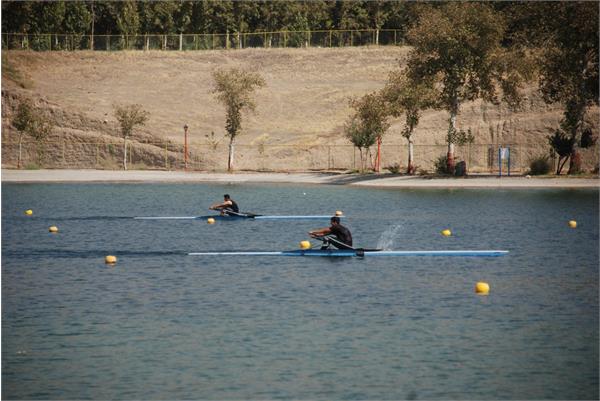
x: 343, y: 237
x: 234, y: 206
x: 341, y: 233
x: 228, y: 205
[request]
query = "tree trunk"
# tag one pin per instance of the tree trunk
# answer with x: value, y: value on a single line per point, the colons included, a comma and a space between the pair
x: 230, y: 159
x: 450, y: 165
x: 20, y: 151
x: 124, y: 153
x: 575, y: 161
x: 410, y: 170
x: 92, y: 35
x: 361, y: 168
x: 561, y: 163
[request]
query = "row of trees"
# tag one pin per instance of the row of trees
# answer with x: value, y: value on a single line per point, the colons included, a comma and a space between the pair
x: 128, y: 17
x: 206, y: 16
x: 460, y: 54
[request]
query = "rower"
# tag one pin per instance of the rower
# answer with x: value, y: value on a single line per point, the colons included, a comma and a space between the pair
x: 336, y: 235
x: 229, y: 206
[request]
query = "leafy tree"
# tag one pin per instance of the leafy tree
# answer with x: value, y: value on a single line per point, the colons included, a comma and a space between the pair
x: 129, y: 116
x: 220, y: 16
x: 23, y: 122
x: 78, y: 20
x: 234, y: 89
x: 562, y: 144
x: 367, y: 125
x: 128, y: 20
x: 16, y: 17
x: 47, y: 18
x: 32, y: 122
x: 350, y: 15
x: 458, y: 47
x: 408, y: 98
x: 569, y: 68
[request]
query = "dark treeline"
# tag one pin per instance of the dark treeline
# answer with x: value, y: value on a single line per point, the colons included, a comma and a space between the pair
x: 206, y: 16
x: 210, y: 16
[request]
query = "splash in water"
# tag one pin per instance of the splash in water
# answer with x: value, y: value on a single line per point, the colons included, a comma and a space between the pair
x: 386, y: 240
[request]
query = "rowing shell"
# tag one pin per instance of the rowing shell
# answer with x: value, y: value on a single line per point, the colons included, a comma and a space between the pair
x: 353, y: 253
x: 241, y: 217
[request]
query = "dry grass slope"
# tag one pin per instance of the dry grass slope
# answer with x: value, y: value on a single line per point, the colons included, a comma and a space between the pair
x: 305, y: 101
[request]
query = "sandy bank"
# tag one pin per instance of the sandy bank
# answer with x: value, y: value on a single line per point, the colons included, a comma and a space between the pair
x: 381, y: 180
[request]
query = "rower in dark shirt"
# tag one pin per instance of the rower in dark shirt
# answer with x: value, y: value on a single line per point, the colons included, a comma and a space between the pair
x: 336, y: 235
x: 228, y: 205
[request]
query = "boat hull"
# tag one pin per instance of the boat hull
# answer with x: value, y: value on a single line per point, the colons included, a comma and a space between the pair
x: 357, y: 253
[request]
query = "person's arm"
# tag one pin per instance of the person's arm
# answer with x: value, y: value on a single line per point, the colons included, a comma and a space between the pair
x: 320, y: 233
x: 220, y: 205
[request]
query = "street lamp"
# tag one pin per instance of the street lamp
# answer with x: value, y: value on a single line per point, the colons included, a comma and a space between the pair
x: 185, y: 146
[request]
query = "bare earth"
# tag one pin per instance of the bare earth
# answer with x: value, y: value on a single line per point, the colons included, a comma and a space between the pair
x: 380, y: 180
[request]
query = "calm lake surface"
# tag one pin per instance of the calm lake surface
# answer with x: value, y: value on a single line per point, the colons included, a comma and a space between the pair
x: 163, y: 325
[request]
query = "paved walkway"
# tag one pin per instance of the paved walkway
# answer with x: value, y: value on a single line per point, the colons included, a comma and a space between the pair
x: 378, y: 180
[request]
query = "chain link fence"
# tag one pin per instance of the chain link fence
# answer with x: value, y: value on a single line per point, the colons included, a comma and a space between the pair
x: 479, y: 158
x: 186, y: 42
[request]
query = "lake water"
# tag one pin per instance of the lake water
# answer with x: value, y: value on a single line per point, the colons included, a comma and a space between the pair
x: 163, y: 325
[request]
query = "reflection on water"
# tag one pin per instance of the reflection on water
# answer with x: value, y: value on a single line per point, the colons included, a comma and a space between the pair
x: 161, y: 325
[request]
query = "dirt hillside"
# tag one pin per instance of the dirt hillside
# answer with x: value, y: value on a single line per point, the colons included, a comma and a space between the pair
x: 305, y: 101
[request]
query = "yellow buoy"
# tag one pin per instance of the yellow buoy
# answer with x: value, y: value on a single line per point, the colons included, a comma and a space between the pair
x: 573, y: 224
x: 210, y: 220
x: 482, y: 288
x: 338, y: 213
x: 304, y: 245
x: 446, y: 233
x: 28, y: 212
x: 110, y: 259
x: 53, y: 229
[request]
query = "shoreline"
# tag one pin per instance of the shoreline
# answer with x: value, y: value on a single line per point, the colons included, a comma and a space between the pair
x: 368, y: 180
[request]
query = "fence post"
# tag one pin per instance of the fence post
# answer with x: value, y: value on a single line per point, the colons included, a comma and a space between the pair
x: 97, y: 154
x: 63, y: 151
x: 180, y: 41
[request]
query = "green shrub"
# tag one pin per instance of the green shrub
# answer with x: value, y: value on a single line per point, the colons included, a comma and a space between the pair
x: 441, y: 165
x: 394, y: 169
x: 539, y: 166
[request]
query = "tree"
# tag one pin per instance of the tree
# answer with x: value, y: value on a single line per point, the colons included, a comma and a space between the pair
x: 407, y: 98
x: 128, y: 20
x: 458, y: 47
x: 129, y: 116
x: 32, y: 122
x: 569, y: 68
x: 367, y: 125
x: 234, y: 89
x: 78, y: 20
x: 47, y: 19
x: 23, y: 122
